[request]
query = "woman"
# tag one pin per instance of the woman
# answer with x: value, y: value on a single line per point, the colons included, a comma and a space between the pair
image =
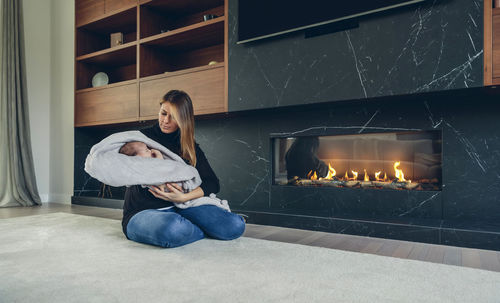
x: 149, y: 216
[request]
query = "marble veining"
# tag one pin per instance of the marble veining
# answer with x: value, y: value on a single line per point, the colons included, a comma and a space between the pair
x: 360, y: 75
x: 453, y: 74
x: 324, y: 128
x: 87, y: 179
x: 368, y: 122
x: 419, y: 205
x: 468, y: 146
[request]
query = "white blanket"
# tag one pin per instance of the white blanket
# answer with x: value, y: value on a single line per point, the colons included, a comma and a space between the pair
x: 107, y: 165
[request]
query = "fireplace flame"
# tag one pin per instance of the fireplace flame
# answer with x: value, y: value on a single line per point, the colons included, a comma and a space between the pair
x: 387, y: 182
x: 331, y: 172
x: 398, y: 172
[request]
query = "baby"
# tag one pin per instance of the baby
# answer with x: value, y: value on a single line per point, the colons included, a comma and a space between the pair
x: 136, y: 148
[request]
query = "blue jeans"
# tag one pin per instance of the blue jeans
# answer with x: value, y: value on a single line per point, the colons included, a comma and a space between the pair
x: 176, y: 227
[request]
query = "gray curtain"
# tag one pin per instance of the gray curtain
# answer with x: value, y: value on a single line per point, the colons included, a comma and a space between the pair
x: 17, y: 174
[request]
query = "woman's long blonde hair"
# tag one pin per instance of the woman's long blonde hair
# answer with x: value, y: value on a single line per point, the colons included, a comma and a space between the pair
x: 182, y: 112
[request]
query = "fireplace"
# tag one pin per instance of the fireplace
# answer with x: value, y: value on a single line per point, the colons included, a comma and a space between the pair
x: 409, y: 160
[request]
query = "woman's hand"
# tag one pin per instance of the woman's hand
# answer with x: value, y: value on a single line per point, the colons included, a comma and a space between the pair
x: 175, y: 193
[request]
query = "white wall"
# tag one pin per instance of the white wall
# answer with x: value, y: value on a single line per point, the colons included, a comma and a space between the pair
x: 38, y: 74
x: 62, y: 103
x: 49, y: 44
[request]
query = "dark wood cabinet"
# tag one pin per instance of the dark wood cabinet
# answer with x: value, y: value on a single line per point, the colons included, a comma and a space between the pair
x: 115, y: 104
x: 491, y: 43
x: 164, y: 41
x: 205, y: 85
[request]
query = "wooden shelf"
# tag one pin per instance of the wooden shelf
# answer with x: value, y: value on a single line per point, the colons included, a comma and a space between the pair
x: 112, y: 20
x: 119, y: 53
x: 195, y: 36
x: 182, y: 6
x: 184, y: 71
x: 496, y: 11
x: 107, y: 122
x: 91, y: 89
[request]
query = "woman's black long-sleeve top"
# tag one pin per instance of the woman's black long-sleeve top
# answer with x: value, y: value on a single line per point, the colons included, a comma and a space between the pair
x: 138, y: 199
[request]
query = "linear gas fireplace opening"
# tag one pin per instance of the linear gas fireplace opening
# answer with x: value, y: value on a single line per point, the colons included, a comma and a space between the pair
x: 395, y: 160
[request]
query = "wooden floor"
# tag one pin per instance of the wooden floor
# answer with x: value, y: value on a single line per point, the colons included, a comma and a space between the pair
x: 476, y: 258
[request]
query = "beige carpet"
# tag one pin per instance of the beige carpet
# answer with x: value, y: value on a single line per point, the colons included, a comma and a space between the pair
x: 63, y: 257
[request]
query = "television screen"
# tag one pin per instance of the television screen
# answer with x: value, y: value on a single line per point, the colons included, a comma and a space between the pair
x: 260, y: 19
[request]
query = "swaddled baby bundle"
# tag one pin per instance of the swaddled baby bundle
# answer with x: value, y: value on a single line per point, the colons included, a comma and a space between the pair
x: 106, y: 164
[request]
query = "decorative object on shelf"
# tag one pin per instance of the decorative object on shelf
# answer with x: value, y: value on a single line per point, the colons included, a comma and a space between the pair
x: 209, y: 17
x: 100, y: 79
x: 496, y: 3
x: 116, y: 39
x: 212, y: 62
x: 164, y: 30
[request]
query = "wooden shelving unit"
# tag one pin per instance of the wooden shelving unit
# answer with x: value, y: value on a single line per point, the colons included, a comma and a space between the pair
x: 167, y: 45
x: 491, y: 43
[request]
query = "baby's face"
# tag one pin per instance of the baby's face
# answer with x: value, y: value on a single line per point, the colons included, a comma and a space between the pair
x: 144, y: 151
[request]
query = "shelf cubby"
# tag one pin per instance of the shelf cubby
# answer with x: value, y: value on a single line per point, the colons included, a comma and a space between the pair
x: 96, y: 36
x: 161, y: 16
x: 189, y: 47
x: 120, y: 65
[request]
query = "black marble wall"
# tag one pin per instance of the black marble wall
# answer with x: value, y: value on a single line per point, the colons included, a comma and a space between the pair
x: 239, y: 150
x: 433, y: 46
